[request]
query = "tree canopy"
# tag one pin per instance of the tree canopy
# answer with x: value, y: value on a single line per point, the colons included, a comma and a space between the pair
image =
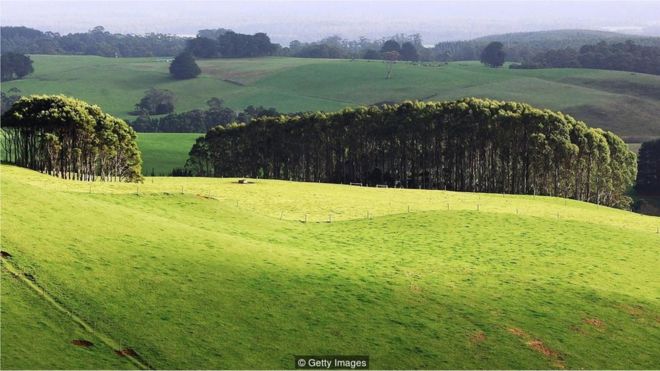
x: 96, y: 41
x: 184, y: 67
x: 69, y: 138
x: 493, y: 54
x: 390, y: 46
x: 466, y: 145
x: 15, y: 66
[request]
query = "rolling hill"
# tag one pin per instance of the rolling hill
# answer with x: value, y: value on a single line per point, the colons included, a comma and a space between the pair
x: 626, y: 103
x: 555, y: 39
x: 209, y: 273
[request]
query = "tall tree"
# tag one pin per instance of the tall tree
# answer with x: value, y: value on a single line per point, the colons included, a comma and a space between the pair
x: 493, y: 54
x: 184, y: 67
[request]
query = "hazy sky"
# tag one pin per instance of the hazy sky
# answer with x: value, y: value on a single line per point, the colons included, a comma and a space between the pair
x: 310, y: 20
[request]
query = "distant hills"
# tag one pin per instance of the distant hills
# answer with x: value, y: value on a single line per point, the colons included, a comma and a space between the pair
x: 522, y: 45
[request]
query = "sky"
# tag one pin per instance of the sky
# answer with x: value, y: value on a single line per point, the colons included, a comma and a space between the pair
x: 285, y: 21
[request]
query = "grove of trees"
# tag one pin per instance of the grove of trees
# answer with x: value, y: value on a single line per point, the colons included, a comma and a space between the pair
x: 648, y: 175
x: 69, y: 138
x: 15, y: 66
x: 465, y: 145
x: 156, y: 102
x: 230, y: 44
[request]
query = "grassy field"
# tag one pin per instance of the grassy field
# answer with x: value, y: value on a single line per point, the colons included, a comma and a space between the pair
x: 162, y: 152
x: 208, y: 273
x: 626, y: 103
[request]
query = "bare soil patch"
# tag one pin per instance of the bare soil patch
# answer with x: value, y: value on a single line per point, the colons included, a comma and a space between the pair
x: 477, y: 337
x: 82, y: 343
x: 126, y: 352
x: 595, y: 322
x: 518, y: 332
x: 5, y: 254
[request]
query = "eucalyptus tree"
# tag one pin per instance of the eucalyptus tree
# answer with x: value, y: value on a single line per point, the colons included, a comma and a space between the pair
x: 476, y: 145
x: 69, y: 138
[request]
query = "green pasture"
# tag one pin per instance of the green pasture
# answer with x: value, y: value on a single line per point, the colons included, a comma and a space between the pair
x: 626, y: 103
x: 208, y: 273
x: 162, y: 152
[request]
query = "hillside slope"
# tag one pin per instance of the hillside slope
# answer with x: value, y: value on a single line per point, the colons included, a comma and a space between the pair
x: 626, y: 103
x: 207, y: 273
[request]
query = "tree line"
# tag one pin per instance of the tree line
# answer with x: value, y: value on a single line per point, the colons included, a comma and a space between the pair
x: 522, y: 46
x: 96, y: 41
x: 69, y: 138
x: 470, y: 144
x: 626, y: 56
x: 199, y: 121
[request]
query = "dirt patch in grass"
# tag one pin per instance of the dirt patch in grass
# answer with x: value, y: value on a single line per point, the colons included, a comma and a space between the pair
x: 595, y: 322
x: 537, y: 345
x: 82, y: 343
x: 5, y: 254
x: 126, y: 352
x: 477, y: 337
x: 633, y: 310
x: 518, y: 332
